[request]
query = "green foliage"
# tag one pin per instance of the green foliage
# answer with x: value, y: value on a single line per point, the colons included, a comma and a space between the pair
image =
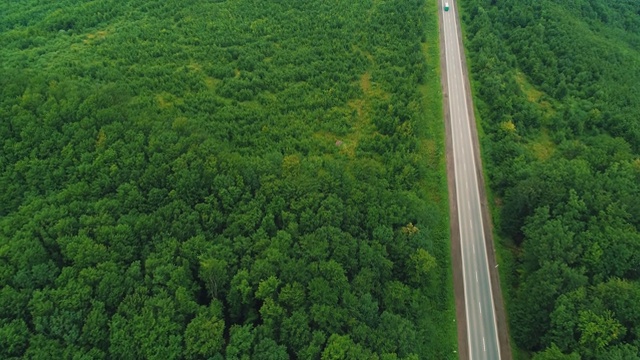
x: 343, y: 348
x: 222, y: 179
x: 240, y: 342
x: 557, y: 91
x: 597, y: 332
x: 553, y: 353
x: 204, y: 336
x: 15, y: 337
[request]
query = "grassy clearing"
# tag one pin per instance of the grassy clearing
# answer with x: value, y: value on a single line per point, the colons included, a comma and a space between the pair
x: 535, y: 96
x: 542, y: 147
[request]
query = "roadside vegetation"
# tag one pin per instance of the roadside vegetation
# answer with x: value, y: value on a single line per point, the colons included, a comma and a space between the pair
x: 557, y: 86
x: 222, y: 180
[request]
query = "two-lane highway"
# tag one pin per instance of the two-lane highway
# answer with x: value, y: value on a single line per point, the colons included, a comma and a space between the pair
x: 479, y: 305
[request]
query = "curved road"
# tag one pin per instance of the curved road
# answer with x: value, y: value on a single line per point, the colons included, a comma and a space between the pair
x: 482, y: 333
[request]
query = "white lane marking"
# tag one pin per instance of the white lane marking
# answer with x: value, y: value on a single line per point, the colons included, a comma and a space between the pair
x: 480, y: 307
x: 474, y: 248
x: 476, y: 276
x: 484, y: 347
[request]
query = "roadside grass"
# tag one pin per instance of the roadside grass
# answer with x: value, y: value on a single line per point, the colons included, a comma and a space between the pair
x: 431, y: 134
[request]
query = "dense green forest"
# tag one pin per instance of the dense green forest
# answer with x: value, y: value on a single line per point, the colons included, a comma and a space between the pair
x: 557, y: 86
x: 240, y: 179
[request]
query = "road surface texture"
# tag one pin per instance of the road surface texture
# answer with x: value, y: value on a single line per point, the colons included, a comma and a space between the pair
x: 482, y: 331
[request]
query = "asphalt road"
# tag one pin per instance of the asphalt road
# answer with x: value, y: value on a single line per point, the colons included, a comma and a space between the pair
x: 479, y: 305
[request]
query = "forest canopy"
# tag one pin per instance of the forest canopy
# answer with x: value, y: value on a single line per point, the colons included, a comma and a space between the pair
x: 222, y: 179
x: 557, y: 86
